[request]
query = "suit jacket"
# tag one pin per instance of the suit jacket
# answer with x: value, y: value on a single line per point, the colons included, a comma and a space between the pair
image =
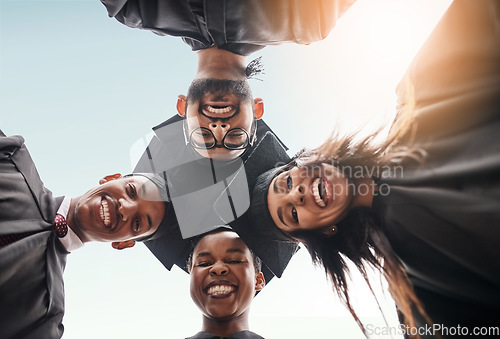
x: 31, y: 269
x: 241, y: 27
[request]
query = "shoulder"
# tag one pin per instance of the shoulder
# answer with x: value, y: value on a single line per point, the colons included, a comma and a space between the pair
x: 170, y: 121
x: 204, y: 335
x: 21, y: 179
x: 244, y: 335
x: 9, y: 145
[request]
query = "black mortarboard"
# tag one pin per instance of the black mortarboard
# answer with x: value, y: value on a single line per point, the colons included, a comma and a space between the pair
x: 259, y: 232
x: 274, y: 252
x: 165, y: 224
x: 171, y: 248
x: 280, y: 247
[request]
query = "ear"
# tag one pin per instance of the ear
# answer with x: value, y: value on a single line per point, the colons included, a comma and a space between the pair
x: 330, y: 231
x: 181, y: 105
x: 259, y: 108
x: 120, y: 245
x: 109, y: 178
x: 260, y: 282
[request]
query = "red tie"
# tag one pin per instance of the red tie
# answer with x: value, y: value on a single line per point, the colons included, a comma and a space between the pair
x: 7, y: 239
x: 60, y: 228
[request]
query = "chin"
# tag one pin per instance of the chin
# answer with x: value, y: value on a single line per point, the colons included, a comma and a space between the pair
x: 221, y: 315
x: 79, y: 213
x: 83, y: 217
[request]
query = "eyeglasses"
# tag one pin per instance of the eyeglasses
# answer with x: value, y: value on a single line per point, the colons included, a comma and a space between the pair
x: 203, y: 138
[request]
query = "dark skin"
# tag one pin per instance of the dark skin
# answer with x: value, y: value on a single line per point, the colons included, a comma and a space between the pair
x: 214, y: 63
x: 223, y: 282
x: 120, y: 211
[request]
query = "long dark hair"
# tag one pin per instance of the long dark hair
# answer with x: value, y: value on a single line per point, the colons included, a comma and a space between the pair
x: 359, y: 237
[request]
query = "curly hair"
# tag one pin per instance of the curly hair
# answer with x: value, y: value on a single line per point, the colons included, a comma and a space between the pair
x: 254, y: 69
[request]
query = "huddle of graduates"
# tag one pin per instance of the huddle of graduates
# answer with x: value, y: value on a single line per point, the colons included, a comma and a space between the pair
x: 421, y: 206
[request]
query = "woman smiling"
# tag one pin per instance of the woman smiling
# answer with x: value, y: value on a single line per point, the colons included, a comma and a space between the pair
x: 423, y: 206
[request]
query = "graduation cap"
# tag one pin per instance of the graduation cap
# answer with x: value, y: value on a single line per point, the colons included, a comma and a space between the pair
x: 260, y: 233
x: 195, y: 183
x: 207, y: 194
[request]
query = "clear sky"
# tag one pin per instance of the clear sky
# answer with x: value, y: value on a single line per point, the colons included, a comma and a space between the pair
x: 82, y: 89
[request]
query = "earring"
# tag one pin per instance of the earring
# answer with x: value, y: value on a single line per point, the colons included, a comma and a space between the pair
x: 334, y: 229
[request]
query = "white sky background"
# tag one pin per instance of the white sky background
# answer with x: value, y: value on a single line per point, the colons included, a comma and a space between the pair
x: 82, y: 88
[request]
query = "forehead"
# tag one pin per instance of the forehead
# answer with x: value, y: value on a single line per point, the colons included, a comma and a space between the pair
x: 220, y: 243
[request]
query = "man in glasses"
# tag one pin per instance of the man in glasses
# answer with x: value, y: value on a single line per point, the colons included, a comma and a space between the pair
x: 220, y: 117
x: 224, y: 33
x: 234, y: 139
x: 214, y: 149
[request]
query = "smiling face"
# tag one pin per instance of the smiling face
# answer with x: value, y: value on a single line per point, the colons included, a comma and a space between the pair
x: 220, y: 106
x: 309, y: 198
x: 128, y: 208
x: 223, y: 277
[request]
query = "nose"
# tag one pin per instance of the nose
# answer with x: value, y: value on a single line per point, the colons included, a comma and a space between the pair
x: 219, y: 268
x: 219, y: 129
x: 297, y: 195
x: 126, y: 208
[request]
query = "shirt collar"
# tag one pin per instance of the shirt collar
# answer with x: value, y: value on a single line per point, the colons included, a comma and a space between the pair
x: 71, y: 241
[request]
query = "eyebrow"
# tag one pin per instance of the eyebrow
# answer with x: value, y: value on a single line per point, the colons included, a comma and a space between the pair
x: 203, y: 254
x: 275, y: 186
x: 280, y: 210
x: 235, y: 250
x: 280, y: 215
x: 150, y: 223
x: 144, y: 192
x: 229, y: 250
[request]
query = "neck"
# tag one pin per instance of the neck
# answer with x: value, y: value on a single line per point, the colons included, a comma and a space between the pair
x: 71, y: 219
x: 365, y: 190
x: 214, y: 63
x: 225, y: 328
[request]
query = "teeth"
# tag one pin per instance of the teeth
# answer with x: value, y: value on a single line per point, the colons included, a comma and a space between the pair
x: 315, y: 190
x: 212, y: 109
x: 105, y: 213
x: 220, y: 289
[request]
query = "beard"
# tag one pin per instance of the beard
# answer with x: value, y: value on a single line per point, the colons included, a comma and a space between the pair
x: 218, y: 88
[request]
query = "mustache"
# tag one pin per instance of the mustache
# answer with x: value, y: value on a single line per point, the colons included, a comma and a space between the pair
x: 222, y: 120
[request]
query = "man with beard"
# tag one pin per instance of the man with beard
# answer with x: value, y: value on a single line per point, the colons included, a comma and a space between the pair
x: 223, y: 33
x: 220, y: 116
